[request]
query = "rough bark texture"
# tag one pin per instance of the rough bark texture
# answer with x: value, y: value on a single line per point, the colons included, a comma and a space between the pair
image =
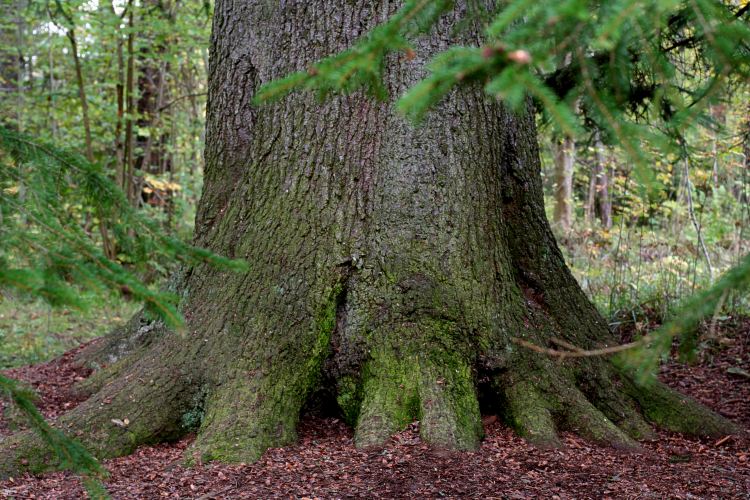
x: 391, y: 267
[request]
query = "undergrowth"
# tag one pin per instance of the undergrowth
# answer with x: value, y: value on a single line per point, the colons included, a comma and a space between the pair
x: 31, y: 331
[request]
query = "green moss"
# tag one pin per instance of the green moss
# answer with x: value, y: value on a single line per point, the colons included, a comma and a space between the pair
x: 671, y: 410
x: 349, y: 398
x: 419, y: 371
x: 530, y: 414
x: 192, y: 419
x: 247, y: 415
x: 390, y: 397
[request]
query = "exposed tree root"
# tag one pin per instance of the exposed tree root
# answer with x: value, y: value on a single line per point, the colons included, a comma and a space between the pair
x: 530, y: 414
x: 583, y: 418
x: 250, y: 413
x: 143, y: 406
x: 399, y: 389
x: 137, y: 334
x: 676, y: 412
x: 97, y: 380
x: 245, y: 417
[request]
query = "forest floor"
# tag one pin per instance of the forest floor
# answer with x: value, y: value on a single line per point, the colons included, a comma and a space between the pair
x: 325, y: 464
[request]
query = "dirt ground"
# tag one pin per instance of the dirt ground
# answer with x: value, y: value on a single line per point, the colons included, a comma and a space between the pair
x: 325, y: 464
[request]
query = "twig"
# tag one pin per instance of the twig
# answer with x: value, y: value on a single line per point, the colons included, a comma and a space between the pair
x: 186, y: 96
x: 215, y: 494
x: 573, y: 351
x: 691, y: 212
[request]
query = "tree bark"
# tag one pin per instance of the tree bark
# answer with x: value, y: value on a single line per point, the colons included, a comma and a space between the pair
x: 605, y: 203
x: 391, y: 266
x: 152, y: 87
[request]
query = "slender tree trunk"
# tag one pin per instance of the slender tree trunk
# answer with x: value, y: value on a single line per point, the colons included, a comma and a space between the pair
x: 149, y: 108
x: 129, y: 181
x: 152, y: 86
x: 745, y: 196
x: 602, y: 186
x: 590, y: 207
x: 120, y: 98
x: 10, y: 62
x: 107, y: 243
x: 564, y: 162
x: 82, y: 96
x: 51, y: 88
x: 392, y: 267
x: 718, y: 112
x: 20, y: 62
x: 696, y: 225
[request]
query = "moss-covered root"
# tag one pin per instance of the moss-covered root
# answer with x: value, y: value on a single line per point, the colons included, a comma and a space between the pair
x: 127, y: 413
x: 450, y: 416
x: 97, y: 380
x: 246, y: 416
x: 583, y: 418
x: 673, y: 411
x: 621, y: 410
x: 400, y: 389
x: 24, y: 451
x: 390, y: 398
x: 538, y: 405
x: 531, y: 414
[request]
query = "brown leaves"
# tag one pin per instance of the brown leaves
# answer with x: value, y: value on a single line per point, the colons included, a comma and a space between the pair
x: 325, y: 464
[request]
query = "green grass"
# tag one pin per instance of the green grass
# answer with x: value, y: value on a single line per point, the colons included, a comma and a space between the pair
x: 632, y: 271
x: 33, y: 332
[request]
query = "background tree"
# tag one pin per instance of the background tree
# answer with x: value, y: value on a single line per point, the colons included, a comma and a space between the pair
x: 565, y: 158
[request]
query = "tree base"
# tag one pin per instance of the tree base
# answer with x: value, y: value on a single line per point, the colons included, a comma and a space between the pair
x: 394, y: 266
x: 238, y: 421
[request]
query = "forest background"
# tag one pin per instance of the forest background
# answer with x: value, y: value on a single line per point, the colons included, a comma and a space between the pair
x: 122, y: 85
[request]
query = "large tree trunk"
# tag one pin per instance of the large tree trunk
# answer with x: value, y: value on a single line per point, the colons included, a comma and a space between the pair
x: 391, y: 266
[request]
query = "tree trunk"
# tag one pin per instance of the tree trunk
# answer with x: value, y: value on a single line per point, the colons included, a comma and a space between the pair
x: 152, y: 83
x: 564, y: 152
x: 600, y: 201
x: 129, y: 179
x: 391, y: 267
x: 120, y: 98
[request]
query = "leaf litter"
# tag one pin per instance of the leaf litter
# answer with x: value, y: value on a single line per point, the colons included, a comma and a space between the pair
x: 325, y: 464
